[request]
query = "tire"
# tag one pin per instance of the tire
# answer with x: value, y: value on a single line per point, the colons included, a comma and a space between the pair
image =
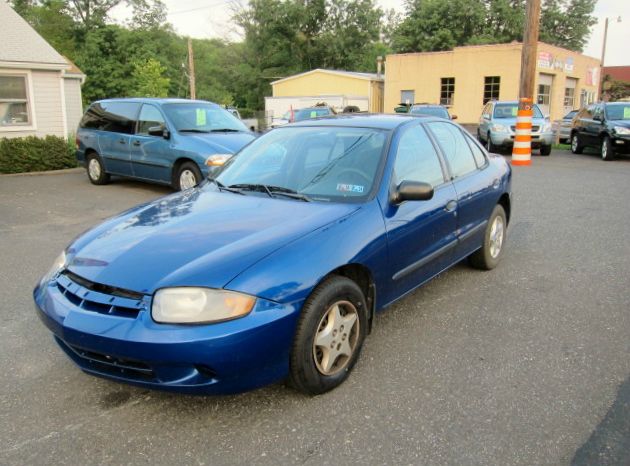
x: 313, y: 369
x: 490, y: 146
x: 545, y: 150
x: 607, y: 151
x: 187, y: 176
x: 576, y: 146
x: 479, y: 138
x: 488, y: 257
x: 96, y: 170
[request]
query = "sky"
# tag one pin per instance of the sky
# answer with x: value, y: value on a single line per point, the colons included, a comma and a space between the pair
x: 211, y: 18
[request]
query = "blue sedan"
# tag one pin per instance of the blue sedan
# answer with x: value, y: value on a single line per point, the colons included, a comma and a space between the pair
x: 275, y: 268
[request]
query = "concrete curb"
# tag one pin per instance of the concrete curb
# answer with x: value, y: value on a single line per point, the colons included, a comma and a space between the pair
x: 45, y: 173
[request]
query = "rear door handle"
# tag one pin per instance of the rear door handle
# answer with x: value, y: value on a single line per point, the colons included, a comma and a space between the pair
x: 451, y: 206
x: 136, y: 143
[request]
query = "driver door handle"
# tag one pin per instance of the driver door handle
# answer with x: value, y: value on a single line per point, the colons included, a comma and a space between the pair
x: 451, y: 206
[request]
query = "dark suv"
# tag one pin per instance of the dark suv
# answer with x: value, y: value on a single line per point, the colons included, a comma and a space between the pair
x: 604, y: 126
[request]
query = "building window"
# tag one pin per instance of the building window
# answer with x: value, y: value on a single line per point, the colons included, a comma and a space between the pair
x: 544, y: 94
x: 491, y: 87
x: 407, y: 97
x: 14, y: 109
x: 447, y: 91
x: 569, y: 97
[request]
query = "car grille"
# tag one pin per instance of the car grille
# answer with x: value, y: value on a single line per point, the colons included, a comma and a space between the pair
x: 96, y: 297
x: 106, y: 363
x: 534, y: 128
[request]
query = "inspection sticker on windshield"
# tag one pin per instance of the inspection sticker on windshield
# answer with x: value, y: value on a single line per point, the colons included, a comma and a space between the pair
x: 349, y: 188
x: 201, y: 117
x: 626, y: 113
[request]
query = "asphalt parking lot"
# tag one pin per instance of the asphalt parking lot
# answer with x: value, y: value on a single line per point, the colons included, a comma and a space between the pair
x: 527, y: 364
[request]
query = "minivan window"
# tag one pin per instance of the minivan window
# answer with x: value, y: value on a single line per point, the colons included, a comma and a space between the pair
x: 198, y: 117
x: 94, y: 117
x: 149, y: 117
x: 119, y: 117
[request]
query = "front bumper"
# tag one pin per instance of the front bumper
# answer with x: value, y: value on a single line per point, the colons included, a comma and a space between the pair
x: 621, y: 143
x: 221, y: 358
x: 506, y: 139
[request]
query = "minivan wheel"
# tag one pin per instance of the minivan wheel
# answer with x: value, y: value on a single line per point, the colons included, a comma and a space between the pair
x: 329, y: 336
x: 188, y: 176
x: 608, y: 153
x: 576, y: 146
x: 95, y: 170
x: 488, y: 257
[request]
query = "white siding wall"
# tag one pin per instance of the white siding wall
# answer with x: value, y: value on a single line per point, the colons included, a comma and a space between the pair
x: 74, y: 106
x: 46, y: 104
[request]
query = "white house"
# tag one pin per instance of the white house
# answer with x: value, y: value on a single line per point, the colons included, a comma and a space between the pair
x: 40, y: 90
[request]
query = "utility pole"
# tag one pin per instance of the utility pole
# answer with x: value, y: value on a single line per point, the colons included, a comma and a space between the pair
x: 191, y: 70
x: 522, y: 149
x: 530, y: 46
x: 601, y: 65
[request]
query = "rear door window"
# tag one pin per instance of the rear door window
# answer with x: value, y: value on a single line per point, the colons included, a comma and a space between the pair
x: 120, y: 117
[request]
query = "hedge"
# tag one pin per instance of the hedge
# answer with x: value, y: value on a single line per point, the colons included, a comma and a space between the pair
x: 18, y: 155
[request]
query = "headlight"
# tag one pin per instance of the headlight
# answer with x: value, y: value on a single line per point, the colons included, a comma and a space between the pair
x: 621, y: 130
x: 217, y: 160
x: 497, y: 128
x: 60, y: 263
x: 546, y: 128
x: 188, y: 305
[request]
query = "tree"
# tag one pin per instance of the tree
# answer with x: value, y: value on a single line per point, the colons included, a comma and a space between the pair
x: 615, y: 90
x: 149, y: 80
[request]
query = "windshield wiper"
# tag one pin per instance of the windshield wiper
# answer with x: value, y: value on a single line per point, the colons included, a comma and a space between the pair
x: 192, y: 130
x: 222, y: 187
x: 225, y: 130
x: 272, y: 191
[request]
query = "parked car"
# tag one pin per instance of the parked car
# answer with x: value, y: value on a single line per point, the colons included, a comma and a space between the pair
x: 565, y: 127
x: 168, y: 141
x: 234, y: 111
x: 497, y: 127
x: 275, y: 268
x: 433, y: 110
x: 603, y: 126
x: 291, y: 116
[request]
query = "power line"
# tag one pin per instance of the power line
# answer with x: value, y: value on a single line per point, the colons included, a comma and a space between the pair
x: 199, y: 7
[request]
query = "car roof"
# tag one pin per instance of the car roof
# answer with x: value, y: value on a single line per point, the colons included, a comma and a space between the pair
x: 156, y: 100
x: 365, y: 120
x: 427, y: 105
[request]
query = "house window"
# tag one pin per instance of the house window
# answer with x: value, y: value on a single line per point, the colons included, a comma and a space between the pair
x: 14, y: 109
x: 544, y: 94
x: 491, y: 87
x: 569, y: 97
x: 447, y: 91
x: 407, y: 97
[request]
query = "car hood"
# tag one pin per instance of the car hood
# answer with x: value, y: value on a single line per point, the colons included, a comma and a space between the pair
x: 624, y: 123
x: 200, y: 237
x: 218, y: 143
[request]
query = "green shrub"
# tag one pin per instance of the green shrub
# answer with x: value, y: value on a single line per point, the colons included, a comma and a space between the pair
x: 18, y: 155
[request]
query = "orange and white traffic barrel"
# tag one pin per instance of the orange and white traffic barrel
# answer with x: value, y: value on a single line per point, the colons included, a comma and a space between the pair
x: 522, y: 150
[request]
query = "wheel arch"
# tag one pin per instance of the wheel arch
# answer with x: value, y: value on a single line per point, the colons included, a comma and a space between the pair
x: 504, y: 201
x: 178, y: 163
x: 362, y: 276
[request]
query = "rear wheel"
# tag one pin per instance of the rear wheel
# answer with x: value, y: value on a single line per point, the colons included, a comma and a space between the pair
x: 329, y: 336
x: 576, y: 145
x: 489, y: 255
x: 96, y: 170
x: 607, y: 151
x: 187, y: 176
x: 545, y: 150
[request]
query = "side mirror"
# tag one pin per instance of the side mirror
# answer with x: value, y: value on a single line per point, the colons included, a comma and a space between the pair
x: 412, y: 191
x: 453, y: 117
x: 159, y: 130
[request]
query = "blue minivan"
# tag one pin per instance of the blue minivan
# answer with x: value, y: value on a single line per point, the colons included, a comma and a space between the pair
x: 167, y: 141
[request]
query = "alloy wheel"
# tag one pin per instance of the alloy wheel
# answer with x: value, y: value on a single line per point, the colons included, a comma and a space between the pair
x: 336, y: 338
x: 497, y: 234
x: 574, y: 143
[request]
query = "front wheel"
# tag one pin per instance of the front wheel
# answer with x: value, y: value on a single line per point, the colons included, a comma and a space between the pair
x: 329, y: 336
x: 187, y: 176
x: 607, y: 149
x: 489, y: 144
x: 96, y: 171
x: 545, y: 150
x: 576, y: 145
x: 488, y: 257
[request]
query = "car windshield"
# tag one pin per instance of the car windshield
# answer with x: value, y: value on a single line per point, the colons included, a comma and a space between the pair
x: 511, y: 110
x: 198, y: 117
x: 317, y: 163
x: 307, y: 113
x: 618, y: 112
x: 433, y: 111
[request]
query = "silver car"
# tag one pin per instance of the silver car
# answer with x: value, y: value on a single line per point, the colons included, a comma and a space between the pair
x: 565, y: 126
x: 497, y: 127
